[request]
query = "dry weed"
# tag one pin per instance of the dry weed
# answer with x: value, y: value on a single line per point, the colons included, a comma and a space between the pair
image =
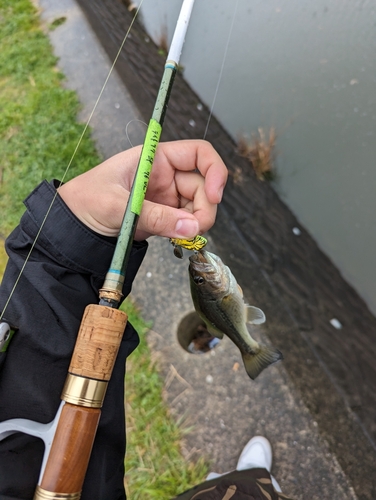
x: 260, y: 151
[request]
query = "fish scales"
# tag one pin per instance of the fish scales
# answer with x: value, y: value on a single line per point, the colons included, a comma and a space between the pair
x: 219, y: 302
x: 224, y: 322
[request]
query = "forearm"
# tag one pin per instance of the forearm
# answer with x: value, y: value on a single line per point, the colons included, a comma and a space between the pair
x: 63, y: 275
x: 64, y: 272
x: 66, y: 254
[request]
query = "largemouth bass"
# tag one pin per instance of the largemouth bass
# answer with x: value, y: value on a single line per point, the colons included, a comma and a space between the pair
x: 218, y: 300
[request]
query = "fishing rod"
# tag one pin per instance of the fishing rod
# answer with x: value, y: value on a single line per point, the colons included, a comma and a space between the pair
x: 110, y: 293
x: 70, y: 436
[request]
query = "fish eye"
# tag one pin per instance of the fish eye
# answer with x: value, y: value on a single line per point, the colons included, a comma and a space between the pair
x: 199, y: 280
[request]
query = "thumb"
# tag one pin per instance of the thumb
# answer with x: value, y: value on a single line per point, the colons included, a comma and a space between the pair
x: 162, y: 220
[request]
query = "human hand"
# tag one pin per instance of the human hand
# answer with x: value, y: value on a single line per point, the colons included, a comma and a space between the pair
x: 185, y: 186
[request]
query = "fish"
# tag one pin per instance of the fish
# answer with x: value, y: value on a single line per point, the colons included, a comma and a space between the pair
x: 196, y: 243
x: 218, y: 300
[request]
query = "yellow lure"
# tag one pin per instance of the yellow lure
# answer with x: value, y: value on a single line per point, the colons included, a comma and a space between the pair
x: 196, y: 243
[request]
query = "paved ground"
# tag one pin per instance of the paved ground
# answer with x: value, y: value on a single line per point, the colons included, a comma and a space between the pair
x: 320, y: 448
x: 86, y: 66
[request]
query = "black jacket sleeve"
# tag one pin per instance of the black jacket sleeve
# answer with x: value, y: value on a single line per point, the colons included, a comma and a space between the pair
x: 65, y: 270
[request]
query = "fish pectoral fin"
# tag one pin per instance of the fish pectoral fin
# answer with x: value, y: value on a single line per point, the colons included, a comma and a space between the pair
x: 214, y: 331
x: 265, y: 356
x: 254, y: 315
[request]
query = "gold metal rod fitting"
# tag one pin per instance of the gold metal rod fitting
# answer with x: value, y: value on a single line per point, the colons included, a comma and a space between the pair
x: 41, y: 494
x: 83, y: 391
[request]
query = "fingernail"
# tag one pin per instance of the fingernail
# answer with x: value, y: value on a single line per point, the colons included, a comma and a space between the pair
x: 187, y: 227
x: 220, y: 193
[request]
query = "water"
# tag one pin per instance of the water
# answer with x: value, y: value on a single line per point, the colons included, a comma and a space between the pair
x: 309, y: 70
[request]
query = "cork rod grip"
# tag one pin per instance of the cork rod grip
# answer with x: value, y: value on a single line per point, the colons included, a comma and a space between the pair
x: 98, y: 342
x: 92, y: 362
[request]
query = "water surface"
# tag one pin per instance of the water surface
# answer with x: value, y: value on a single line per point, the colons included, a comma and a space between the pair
x: 308, y: 69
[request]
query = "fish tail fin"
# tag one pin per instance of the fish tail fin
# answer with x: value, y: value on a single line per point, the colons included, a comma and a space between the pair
x: 261, y: 359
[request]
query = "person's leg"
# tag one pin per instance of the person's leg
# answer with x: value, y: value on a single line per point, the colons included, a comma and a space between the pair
x: 257, y: 453
x: 251, y: 477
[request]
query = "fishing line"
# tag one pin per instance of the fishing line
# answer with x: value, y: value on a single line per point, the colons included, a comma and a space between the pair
x: 222, y: 67
x: 126, y: 129
x: 89, y: 120
x: 70, y: 161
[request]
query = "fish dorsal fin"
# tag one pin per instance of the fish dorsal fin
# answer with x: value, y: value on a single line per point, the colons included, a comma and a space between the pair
x: 254, y: 315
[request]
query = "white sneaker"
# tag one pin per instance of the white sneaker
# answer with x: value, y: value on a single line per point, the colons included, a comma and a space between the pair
x: 256, y: 453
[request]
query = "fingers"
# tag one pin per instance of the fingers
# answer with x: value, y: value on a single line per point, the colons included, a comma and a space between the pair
x: 193, y: 198
x: 191, y: 172
x: 162, y: 220
x: 195, y: 216
x: 185, y: 186
x: 188, y: 155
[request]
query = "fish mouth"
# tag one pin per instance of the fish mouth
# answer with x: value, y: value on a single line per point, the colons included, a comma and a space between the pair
x: 199, y: 257
x: 210, y: 267
x: 205, y: 262
x: 205, y: 257
x: 200, y: 262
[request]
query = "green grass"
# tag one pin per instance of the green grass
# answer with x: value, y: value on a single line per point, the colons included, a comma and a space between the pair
x: 38, y: 134
x: 57, y: 22
x: 38, y: 127
x: 155, y: 468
